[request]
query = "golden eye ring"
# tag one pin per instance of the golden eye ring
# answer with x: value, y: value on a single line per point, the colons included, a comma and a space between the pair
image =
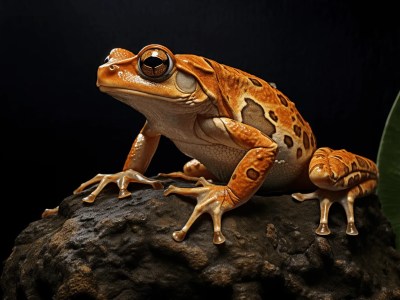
x: 155, y: 63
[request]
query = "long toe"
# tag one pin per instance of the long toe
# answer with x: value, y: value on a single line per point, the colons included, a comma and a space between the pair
x: 351, y: 229
x: 169, y: 190
x: 218, y: 238
x: 89, y: 199
x: 323, y: 229
x: 123, y: 193
x: 179, y: 236
x: 48, y: 212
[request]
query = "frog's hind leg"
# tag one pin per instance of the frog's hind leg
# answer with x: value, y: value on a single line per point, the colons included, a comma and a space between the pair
x: 325, y: 204
x: 363, y: 189
x: 193, y: 170
x: 341, y: 177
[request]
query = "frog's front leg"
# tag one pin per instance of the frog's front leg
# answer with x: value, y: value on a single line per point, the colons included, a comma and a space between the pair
x: 139, y: 157
x: 247, y: 177
x: 341, y: 177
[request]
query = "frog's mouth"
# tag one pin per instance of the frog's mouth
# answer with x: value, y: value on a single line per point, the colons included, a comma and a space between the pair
x: 146, y: 102
x: 129, y: 94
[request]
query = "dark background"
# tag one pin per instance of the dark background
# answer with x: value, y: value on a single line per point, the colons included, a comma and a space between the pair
x: 337, y: 60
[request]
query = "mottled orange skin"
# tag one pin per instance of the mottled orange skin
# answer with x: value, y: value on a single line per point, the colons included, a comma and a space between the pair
x: 239, y: 129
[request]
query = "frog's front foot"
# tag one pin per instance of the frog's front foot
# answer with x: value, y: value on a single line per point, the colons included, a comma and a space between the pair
x: 212, y: 199
x: 122, y: 179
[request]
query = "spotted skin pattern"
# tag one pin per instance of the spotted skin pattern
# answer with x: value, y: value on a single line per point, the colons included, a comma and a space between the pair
x: 341, y: 177
x: 239, y: 130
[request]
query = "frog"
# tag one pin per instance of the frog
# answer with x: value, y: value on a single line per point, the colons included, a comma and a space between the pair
x: 241, y: 132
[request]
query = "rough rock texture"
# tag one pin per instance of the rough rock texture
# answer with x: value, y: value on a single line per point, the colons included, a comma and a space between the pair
x: 122, y: 249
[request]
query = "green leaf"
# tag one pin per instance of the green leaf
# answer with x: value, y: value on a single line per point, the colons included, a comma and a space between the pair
x: 389, y: 169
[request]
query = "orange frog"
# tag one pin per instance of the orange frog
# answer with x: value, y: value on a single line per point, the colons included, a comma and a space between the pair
x: 239, y: 129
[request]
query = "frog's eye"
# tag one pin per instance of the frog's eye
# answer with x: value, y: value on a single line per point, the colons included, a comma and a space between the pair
x: 155, y: 63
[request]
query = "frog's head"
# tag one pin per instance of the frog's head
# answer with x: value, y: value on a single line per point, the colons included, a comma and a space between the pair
x: 155, y: 73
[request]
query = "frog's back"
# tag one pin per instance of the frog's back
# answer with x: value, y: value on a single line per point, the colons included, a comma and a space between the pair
x: 252, y: 101
x: 255, y: 102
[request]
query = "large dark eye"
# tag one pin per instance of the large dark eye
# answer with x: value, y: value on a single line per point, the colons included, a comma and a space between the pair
x: 155, y: 63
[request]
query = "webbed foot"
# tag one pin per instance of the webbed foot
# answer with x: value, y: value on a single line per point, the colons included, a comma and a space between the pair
x: 212, y: 199
x: 326, y: 199
x: 122, y: 179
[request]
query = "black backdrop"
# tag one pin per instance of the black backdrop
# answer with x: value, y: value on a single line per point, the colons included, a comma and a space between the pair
x: 337, y: 60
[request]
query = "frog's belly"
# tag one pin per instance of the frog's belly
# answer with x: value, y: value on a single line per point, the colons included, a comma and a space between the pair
x: 222, y: 161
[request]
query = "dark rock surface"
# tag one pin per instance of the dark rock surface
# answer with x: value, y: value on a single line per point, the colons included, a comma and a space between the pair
x: 122, y: 249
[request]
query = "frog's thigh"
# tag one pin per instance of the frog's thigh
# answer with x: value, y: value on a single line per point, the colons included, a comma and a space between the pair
x: 337, y: 170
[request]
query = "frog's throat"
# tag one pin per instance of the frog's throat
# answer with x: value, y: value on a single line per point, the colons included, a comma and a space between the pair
x: 145, y: 103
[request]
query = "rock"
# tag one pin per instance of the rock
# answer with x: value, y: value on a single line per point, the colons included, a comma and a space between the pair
x: 123, y: 249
